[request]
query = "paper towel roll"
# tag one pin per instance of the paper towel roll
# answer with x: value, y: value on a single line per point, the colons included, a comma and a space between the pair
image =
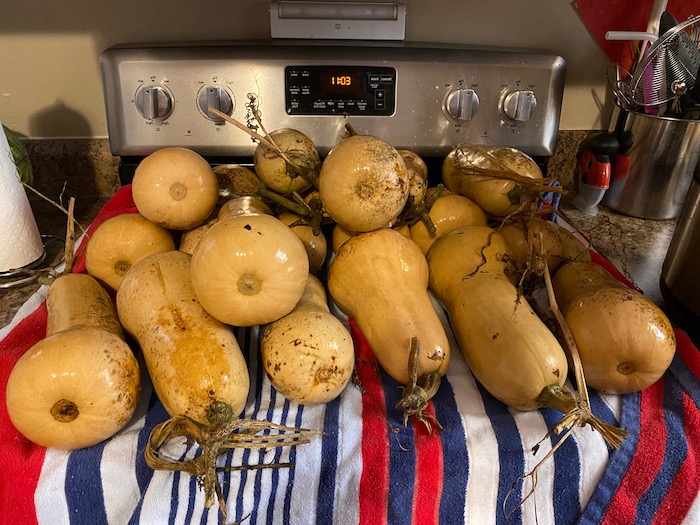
x: 20, y: 239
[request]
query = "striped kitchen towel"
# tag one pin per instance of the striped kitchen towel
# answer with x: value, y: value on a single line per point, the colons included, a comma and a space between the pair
x: 366, y: 467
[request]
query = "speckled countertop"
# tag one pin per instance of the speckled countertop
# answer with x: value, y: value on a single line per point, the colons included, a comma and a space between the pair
x: 636, y: 247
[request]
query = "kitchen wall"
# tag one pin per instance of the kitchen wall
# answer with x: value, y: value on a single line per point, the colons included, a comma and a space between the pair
x: 50, y: 85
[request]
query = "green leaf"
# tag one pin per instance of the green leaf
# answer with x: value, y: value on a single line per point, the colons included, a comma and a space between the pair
x: 20, y: 156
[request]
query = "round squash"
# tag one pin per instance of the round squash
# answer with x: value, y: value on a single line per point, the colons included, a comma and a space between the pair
x: 121, y: 241
x: 273, y: 169
x: 449, y: 212
x: 175, y: 188
x: 74, y: 389
x: 363, y: 183
x: 249, y: 270
x: 308, y: 354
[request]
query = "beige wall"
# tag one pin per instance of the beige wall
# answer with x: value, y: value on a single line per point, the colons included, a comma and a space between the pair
x: 50, y: 83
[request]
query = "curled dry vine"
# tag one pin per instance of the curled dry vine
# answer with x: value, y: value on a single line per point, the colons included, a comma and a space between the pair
x: 215, y: 440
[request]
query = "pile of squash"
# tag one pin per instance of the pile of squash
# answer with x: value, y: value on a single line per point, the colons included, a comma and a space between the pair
x: 215, y: 247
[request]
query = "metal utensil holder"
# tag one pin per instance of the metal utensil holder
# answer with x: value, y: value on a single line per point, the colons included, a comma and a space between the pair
x: 663, y: 157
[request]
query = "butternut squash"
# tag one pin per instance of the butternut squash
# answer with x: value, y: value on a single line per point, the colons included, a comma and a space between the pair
x: 380, y: 278
x: 363, y: 183
x: 119, y: 242
x: 235, y: 181
x: 175, y: 187
x: 279, y: 174
x: 81, y: 384
x: 249, y: 270
x: 448, y: 212
x: 315, y: 245
x: 308, y: 354
x: 417, y: 175
x: 528, y: 240
x: 481, y: 174
x: 194, y: 361
x: 625, y: 340
x: 509, y: 350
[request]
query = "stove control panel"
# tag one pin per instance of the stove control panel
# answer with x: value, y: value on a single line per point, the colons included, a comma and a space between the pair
x: 424, y: 97
x: 340, y: 90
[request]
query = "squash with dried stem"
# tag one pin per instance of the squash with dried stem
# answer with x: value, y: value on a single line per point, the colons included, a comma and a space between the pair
x: 380, y: 278
x: 509, y: 349
x: 500, y: 180
x: 80, y: 384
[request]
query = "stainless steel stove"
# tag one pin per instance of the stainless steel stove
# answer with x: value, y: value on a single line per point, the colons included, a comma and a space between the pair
x: 418, y: 96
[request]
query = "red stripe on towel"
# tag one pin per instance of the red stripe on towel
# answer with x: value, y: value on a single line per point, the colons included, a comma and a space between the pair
x: 22, y: 458
x: 688, y: 352
x: 429, y: 473
x: 647, y: 459
x: 684, y: 488
x: 597, y: 258
x: 374, y: 481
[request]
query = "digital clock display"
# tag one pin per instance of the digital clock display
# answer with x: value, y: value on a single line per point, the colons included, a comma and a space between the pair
x: 341, y: 81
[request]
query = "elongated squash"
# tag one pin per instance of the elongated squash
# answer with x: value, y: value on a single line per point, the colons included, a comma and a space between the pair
x: 194, y: 361
x: 625, y: 340
x: 509, y: 349
x: 81, y: 384
x: 380, y: 278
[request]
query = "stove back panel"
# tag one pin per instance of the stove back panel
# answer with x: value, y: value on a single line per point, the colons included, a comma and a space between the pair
x: 423, y: 97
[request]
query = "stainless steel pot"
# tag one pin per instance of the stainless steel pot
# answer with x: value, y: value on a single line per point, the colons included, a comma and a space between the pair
x: 663, y: 155
x: 680, y: 272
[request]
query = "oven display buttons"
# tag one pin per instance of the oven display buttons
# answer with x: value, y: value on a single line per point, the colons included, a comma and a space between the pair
x: 333, y: 90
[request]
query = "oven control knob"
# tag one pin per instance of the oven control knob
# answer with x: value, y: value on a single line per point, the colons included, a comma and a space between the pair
x: 461, y: 104
x: 154, y: 102
x: 215, y: 97
x: 518, y: 105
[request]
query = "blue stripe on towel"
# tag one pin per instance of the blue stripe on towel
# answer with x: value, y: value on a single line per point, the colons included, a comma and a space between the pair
x: 250, y: 350
x: 567, y: 468
x: 455, y: 456
x: 402, y: 458
x: 286, y: 517
x: 84, y: 495
x: 511, y: 458
x: 618, y: 464
x: 686, y: 378
x: 329, y: 463
x: 144, y: 474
